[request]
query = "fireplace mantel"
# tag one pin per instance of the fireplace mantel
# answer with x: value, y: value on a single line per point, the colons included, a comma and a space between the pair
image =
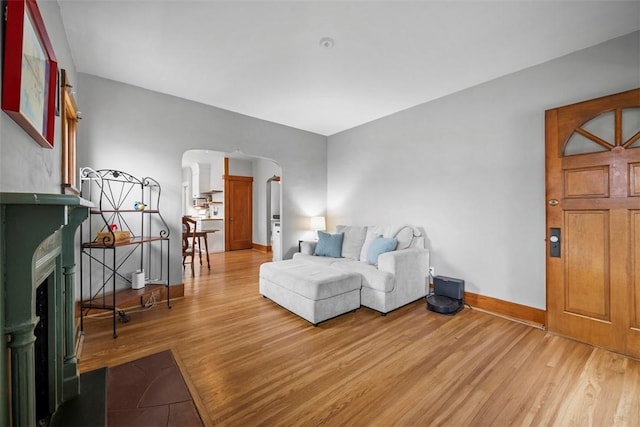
x: 37, y: 244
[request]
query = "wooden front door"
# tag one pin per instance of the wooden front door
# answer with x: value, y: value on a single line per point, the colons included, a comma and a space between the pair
x: 239, y: 213
x: 593, y: 221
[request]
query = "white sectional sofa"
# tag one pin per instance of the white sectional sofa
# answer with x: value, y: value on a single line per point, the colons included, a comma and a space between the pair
x: 386, y: 280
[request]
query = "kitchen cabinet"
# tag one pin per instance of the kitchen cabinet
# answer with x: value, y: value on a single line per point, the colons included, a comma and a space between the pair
x: 200, y: 179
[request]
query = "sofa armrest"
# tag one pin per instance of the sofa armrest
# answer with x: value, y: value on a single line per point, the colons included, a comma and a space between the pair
x: 409, y: 266
x: 308, y: 247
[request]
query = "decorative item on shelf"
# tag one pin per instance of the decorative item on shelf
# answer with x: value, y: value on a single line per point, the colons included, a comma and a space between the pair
x: 199, y: 201
x: 108, y: 238
x: 137, y: 279
x: 139, y: 206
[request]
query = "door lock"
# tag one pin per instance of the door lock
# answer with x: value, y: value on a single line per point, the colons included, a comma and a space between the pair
x: 554, y: 242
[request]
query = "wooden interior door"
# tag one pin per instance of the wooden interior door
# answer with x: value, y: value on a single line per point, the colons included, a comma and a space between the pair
x: 593, y: 212
x: 238, y: 212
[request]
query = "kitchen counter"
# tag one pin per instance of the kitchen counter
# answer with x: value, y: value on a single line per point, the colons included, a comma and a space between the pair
x: 203, y: 218
x: 214, y: 227
x: 210, y: 224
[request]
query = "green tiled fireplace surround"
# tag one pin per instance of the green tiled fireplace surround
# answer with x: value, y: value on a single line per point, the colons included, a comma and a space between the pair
x: 37, y: 244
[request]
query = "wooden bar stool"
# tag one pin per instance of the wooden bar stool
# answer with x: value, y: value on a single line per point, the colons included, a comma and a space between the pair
x: 188, y: 241
x: 199, y: 235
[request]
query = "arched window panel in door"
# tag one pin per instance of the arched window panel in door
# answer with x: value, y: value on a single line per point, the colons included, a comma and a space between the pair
x: 578, y: 144
x: 631, y: 125
x: 602, y: 126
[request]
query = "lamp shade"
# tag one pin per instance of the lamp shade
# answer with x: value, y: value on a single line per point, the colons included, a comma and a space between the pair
x: 318, y: 223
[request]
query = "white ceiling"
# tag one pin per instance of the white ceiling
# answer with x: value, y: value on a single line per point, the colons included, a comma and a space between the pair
x: 264, y: 59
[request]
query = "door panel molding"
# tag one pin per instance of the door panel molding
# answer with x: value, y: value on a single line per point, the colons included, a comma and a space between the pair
x: 634, y: 179
x: 586, y: 182
x: 587, y: 282
x: 634, y: 236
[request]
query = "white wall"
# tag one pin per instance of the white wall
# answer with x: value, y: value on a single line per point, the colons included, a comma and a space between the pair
x: 469, y: 168
x: 145, y: 133
x: 26, y: 166
x: 240, y: 167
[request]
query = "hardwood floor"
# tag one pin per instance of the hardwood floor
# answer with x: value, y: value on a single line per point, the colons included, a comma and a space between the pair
x: 254, y: 363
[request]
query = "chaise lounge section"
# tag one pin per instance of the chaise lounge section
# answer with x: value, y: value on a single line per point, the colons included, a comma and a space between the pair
x: 311, y: 291
x: 387, y: 265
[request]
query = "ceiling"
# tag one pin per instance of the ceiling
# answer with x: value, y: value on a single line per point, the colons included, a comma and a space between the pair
x: 264, y: 58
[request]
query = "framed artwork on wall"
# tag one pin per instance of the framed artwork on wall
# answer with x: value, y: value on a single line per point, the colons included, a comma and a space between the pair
x: 30, y: 72
x: 69, y: 119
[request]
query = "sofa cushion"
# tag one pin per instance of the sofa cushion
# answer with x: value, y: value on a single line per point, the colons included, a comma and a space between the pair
x: 329, y: 244
x: 372, y: 278
x: 353, y: 240
x: 406, y: 235
x: 310, y: 280
x: 371, y: 235
x: 379, y: 246
x: 323, y: 260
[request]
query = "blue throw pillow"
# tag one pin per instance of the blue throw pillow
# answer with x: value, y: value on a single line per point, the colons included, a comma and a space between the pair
x: 329, y: 244
x: 378, y: 246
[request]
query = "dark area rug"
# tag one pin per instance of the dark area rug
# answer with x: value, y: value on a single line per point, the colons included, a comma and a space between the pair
x: 147, y: 392
x: 150, y: 392
x: 88, y: 408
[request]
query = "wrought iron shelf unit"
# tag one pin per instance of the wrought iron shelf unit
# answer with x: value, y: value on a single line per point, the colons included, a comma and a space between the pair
x: 126, y: 235
x: 145, y: 211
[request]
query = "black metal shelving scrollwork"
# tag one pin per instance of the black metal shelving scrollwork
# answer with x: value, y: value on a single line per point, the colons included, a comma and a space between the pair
x: 125, y: 244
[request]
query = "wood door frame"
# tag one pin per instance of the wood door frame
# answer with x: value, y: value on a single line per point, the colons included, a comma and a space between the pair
x: 561, y: 123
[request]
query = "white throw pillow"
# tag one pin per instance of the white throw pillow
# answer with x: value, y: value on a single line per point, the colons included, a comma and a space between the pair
x: 370, y: 237
x: 353, y: 239
x: 404, y: 237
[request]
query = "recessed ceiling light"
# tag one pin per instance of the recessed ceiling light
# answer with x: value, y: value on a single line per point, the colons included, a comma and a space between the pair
x: 327, y: 42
